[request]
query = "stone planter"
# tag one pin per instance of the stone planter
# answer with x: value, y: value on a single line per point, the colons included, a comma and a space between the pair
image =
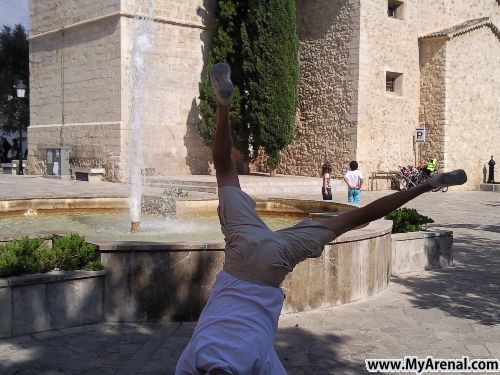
x: 424, y: 250
x: 41, y: 302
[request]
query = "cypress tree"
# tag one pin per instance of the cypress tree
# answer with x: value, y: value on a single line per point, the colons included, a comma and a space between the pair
x: 270, y: 64
x: 226, y: 47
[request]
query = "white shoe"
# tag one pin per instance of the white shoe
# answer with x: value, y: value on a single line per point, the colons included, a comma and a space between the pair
x: 456, y: 177
x: 220, y: 78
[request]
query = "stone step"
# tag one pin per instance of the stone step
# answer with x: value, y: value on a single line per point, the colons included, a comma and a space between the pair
x: 276, y: 186
x: 491, y: 187
x: 187, y: 187
x: 170, y: 181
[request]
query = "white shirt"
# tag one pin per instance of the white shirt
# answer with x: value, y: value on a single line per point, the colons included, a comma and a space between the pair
x: 354, y: 177
x: 236, y: 330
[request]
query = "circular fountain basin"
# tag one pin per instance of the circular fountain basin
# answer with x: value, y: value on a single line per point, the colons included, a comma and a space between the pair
x: 152, y: 278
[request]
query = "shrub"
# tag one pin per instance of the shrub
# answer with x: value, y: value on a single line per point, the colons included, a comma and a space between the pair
x: 32, y: 255
x: 175, y: 193
x: 22, y: 256
x: 71, y: 252
x: 407, y: 220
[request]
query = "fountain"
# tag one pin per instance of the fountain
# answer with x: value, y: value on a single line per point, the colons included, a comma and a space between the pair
x: 143, y: 42
x: 152, y: 276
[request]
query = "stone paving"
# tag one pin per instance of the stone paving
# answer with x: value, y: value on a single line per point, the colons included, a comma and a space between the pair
x: 445, y: 313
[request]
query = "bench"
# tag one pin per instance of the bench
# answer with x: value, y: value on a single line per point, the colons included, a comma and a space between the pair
x: 89, y: 174
x: 11, y: 168
x: 386, y: 176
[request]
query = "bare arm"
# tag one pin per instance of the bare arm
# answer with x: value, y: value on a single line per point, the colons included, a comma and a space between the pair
x: 347, y: 182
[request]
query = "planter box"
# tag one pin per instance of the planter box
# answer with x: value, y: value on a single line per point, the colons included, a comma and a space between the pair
x: 58, y: 299
x: 424, y: 250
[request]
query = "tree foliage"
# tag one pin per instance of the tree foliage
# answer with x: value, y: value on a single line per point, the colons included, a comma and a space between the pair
x: 226, y: 47
x: 270, y: 49
x: 258, y: 39
x: 14, y: 67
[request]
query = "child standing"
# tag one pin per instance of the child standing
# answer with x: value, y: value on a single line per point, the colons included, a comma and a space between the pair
x: 326, y: 171
x: 354, y: 181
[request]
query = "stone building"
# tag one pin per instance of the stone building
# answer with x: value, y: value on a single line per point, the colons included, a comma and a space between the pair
x: 371, y: 73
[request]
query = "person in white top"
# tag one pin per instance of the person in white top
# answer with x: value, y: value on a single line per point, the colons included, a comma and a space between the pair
x: 354, y: 181
x: 237, y: 327
x: 326, y: 171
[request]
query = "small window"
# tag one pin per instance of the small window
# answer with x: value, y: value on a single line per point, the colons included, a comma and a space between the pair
x: 394, y: 82
x: 395, y: 9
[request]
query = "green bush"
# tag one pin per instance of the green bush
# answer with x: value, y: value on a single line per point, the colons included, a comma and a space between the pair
x: 407, y: 220
x: 71, y: 252
x: 32, y: 255
x: 22, y: 256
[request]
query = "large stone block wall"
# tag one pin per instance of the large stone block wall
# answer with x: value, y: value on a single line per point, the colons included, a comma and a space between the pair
x: 325, y: 130
x: 80, y: 82
x: 46, y: 80
x: 185, y: 12
x: 387, y: 121
x: 49, y: 15
x: 75, y: 95
x: 435, y: 15
x: 472, y: 103
x: 432, y: 98
x: 81, y: 90
x: 171, y: 141
x: 92, y: 145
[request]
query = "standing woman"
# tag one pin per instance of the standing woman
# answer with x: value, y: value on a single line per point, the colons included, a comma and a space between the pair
x: 327, y: 181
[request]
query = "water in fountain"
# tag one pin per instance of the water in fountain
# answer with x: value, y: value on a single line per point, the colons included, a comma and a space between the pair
x: 143, y: 42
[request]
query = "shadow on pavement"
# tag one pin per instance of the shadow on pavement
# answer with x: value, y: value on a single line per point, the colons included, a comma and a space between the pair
x: 153, y: 348
x: 318, y: 353
x: 469, y: 289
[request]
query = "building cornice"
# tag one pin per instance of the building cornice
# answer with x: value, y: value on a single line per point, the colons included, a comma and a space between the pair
x: 106, y: 17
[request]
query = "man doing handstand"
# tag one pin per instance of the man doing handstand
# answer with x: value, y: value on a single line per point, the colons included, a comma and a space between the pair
x: 236, y: 330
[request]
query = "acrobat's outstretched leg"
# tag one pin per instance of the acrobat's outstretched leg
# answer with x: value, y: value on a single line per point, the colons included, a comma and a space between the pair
x: 383, y: 206
x: 225, y: 170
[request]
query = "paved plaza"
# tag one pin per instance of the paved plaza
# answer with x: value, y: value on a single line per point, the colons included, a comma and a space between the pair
x: 446, y: 313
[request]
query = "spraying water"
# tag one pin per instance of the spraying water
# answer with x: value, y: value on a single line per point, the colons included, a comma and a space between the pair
x: 143, y: 42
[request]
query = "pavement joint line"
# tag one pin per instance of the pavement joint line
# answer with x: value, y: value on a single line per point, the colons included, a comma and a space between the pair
x: 147, y: 350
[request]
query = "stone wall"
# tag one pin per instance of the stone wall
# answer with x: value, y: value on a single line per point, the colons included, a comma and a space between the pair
x: 170, y: 137
x: 75, y: 84
x: 432, y: 98
x: 185, y: 12
x: 386, y: 120
x: 325, y: 130
x: 472, y: 103
x: 435, y: 15
x: 53, y: 300
x: 49, y: 15
x: 80, y: 84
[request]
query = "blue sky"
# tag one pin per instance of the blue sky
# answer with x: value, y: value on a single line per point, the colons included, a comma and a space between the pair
x: 13, y: 12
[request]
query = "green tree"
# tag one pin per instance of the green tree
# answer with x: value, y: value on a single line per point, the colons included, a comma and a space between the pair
x: 14, y: 67
x: 270, y: 54
x: 226, y: 47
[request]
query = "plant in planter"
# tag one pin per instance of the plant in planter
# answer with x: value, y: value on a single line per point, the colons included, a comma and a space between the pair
x: 32, y: 255
x: 408, y: 220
